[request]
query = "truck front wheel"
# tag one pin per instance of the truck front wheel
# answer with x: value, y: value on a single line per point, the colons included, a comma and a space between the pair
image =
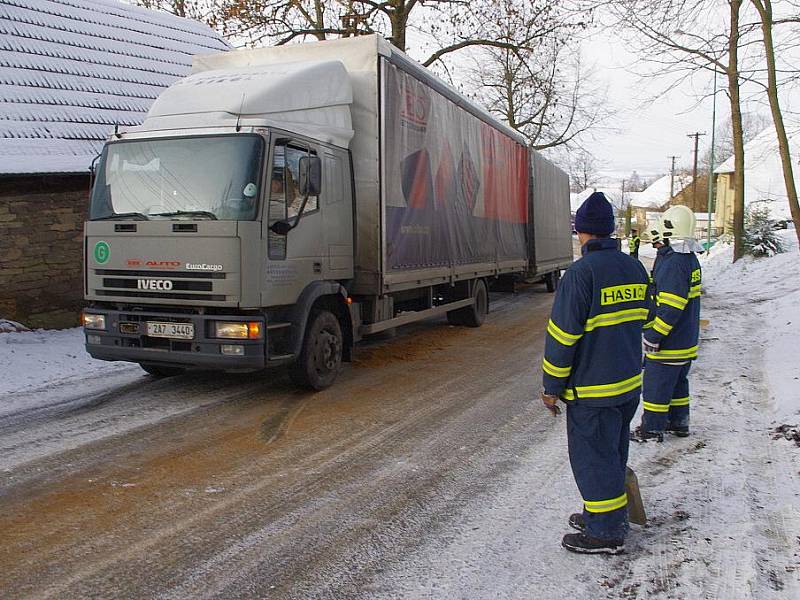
x: 320, y: 359
x: 158, y: 371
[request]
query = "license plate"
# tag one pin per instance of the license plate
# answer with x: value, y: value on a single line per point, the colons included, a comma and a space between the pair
x: 178, y: 331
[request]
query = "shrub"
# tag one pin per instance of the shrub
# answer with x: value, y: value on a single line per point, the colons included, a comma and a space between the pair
x: 760, y: 238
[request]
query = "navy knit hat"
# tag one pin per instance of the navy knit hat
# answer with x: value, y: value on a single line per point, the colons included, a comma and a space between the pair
x: 595, y: 216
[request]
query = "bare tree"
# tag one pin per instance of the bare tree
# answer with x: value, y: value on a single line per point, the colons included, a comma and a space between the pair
x: 536, y: 81
x: 684, y: 37
x: 583, y: 170
x: 765, y: 12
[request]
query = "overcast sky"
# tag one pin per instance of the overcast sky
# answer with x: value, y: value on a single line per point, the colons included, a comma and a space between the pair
x: 647, y: 132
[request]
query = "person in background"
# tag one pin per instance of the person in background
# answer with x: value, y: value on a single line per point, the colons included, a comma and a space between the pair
x: 671, y: 336
x: 633, y: 243
x: 593, y: 363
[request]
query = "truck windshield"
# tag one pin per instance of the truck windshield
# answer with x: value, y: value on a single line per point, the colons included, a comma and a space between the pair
x: 210, y: 177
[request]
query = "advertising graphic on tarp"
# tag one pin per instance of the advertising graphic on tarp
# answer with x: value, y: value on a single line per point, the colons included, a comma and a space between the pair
x: 456, y: 187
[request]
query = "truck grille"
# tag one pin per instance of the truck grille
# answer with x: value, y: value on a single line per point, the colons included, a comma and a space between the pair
x: 197, y: 286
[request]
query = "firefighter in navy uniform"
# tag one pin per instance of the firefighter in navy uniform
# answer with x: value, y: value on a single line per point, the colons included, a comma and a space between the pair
x: 592, y: 363
x: 671, y: 336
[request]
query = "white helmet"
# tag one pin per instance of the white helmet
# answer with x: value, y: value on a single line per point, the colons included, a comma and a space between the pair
x: 655, y: 231
x: 678, y: 222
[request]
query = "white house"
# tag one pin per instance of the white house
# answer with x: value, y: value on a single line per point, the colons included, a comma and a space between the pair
x: 763, y: 178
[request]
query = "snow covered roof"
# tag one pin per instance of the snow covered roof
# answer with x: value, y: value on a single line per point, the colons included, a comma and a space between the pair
x: 656, y: 195
x: 763, y: 172
x: 576, y: 199
x: 72, y: 69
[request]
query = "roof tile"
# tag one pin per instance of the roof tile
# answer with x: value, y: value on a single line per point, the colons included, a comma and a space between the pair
x: 72, y: 69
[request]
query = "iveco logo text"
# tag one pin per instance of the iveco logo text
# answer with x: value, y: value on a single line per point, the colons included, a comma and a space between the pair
x: 202, y: 267
x: 154, y: 284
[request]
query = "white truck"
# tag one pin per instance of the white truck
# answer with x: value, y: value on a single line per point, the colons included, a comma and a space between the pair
x: 279, y: 204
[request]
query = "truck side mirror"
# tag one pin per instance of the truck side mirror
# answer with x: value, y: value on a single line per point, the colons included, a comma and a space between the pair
x: 281, y: 227
x: 310, y: 183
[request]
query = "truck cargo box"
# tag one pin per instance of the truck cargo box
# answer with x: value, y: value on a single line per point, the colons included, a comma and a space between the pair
x: 441, y: 185
x: 549, y: 225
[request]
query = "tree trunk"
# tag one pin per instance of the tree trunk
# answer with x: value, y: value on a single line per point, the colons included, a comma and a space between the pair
x: 738, y: 135
x: 765, y: 12
x: 398, y: 17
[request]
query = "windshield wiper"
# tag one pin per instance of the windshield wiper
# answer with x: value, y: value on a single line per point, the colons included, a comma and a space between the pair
x: 128, y: 215
x: 193, y: 213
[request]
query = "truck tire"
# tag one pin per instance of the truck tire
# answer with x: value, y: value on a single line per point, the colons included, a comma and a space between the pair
x: 320, y: 358
x: 552, y: 279
x: 475, y: 315
x: 157, y: 371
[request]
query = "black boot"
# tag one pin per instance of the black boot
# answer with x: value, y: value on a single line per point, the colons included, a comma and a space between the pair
x: 581, y: 543
x: 576, y: 522
x: 641, y: 436
x: 678, y: 431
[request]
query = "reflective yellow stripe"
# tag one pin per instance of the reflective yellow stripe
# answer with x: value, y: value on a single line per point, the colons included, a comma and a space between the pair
x: 604, y: 390
x: 659, y: 408
x: 661, y: 326
x: 616, y: 318
x: 602, y: 506
x: 555, y: 371
x: 682, y: 354
x: 561, y: 336
x: 694, y: 291
x: 648, y: 325
x: 672, y: 300
x: 679, y: 401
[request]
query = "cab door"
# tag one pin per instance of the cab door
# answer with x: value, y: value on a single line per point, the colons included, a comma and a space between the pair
x: 296, y: 259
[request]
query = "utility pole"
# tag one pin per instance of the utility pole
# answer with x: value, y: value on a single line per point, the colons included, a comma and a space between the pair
x: 672, y: 177
x: 711, y: 165
x: 696, y: 137
x: 625, y: 210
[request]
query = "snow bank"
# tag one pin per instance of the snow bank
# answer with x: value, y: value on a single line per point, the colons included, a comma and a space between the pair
x: 772, y: 286
x: 33, y: 359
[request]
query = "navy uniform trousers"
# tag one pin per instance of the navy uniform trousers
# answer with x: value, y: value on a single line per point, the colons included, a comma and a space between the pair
x: 665, y: 394
x: 598, y: 439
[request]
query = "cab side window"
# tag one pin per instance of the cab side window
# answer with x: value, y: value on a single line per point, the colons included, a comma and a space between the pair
x: 277, y: 204
x: 284, y: 196
x: 294, y: 200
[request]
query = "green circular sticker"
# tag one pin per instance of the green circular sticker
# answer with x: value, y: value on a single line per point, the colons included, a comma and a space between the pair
x: 102, y: 252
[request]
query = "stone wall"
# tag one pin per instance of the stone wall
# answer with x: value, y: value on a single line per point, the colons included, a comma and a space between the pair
x: 41, y: 249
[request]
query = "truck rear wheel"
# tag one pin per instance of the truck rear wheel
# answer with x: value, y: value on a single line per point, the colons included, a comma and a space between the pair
x: 475, y: 315
x: 320, y: 359
x: 158, y: 371
x: 552, y: 279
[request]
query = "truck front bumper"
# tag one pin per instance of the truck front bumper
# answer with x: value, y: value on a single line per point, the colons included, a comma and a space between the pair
x: 125, y: 339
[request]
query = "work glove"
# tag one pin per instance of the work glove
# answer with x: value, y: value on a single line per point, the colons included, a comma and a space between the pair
x: 551, y: 403
x: 648, y: 347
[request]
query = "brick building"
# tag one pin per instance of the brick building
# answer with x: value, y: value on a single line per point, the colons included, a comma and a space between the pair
x: 69, y: 71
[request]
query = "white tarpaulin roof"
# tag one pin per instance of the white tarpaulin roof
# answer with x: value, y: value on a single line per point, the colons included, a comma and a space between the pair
x: 71, y: 69
x: 309, y: 97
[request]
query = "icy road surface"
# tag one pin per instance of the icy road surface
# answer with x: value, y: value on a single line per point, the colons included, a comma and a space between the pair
x: 430, y: 470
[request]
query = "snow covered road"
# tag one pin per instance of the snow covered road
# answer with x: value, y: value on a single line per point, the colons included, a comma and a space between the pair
x: 429, y: 471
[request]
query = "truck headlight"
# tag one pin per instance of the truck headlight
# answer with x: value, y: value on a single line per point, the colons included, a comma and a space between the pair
x: 237, y: 330
x: 91, y: 321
